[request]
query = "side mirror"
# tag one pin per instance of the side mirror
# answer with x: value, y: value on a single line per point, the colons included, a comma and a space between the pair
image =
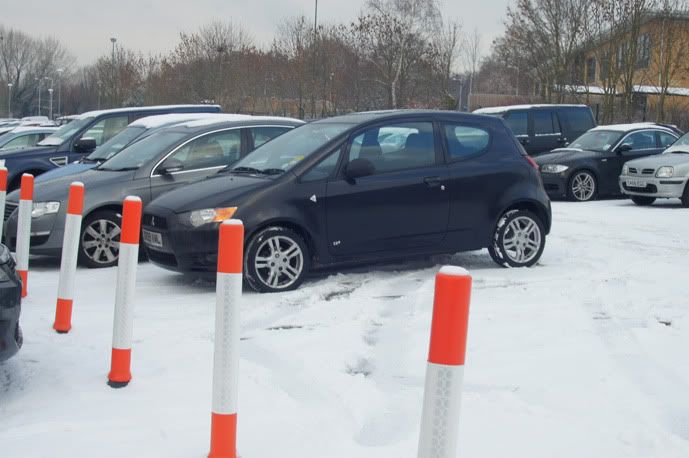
x: 623, y: 148
x: 85, y: 145
x: 524, y: 140
x: 359, y: 168
x: 170, y: 166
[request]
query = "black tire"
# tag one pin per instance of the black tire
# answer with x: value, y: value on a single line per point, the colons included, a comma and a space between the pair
x: 502, y: 253
x: 103, y: 253
x: 574, y: 195
x: 643, y: 200
x: 279, y: 273
x: 685, y: 196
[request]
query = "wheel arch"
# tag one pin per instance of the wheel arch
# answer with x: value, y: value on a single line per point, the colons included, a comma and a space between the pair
x: 534, y: 207
x: 289, y: 224
x: 103, y: 207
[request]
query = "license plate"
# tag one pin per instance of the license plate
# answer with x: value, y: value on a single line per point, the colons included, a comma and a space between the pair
x: 153, y: 238
x: 636, y: 183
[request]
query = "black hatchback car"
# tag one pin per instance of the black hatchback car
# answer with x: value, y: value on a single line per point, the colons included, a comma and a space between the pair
x: 360, y: 188
x: 10, y: 306
x: 590, y: 166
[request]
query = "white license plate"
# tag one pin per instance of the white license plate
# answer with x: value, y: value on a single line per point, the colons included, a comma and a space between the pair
x: 636, y: 183
x: 153, y: 238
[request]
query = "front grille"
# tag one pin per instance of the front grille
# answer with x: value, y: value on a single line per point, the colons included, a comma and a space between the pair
x: 167, y: 259
x: 650, y: 188
x: 648, y: 171
x: 633, y: 171
x: 157, y: 222
x: 9, y: 209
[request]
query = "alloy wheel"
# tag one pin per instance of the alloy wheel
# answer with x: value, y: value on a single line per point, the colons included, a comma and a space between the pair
x: 100, y: 241
x: 522, y: 240
x: 583, y: 186
x: 279, y: 262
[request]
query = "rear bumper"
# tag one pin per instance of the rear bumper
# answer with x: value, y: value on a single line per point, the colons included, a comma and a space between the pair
x: 655, y: 187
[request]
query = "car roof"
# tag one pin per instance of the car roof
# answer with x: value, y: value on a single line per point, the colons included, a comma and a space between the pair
x: 155, y: 121
x: 37, y: 129
x: 502, y: 109
x: 225, y: 121
x: 96, y: 113
x: 368, y: 116
x: 633, y: 126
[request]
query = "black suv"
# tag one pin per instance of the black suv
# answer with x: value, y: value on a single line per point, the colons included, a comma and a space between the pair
x: 360, y: 188
x: 541, y: 128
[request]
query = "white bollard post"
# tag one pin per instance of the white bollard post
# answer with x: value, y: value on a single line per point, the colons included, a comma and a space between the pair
x: 123, y: 323
x: 228, y: 293
x: 445, y: 370
x: 68, y: 262
x: 24, y: 230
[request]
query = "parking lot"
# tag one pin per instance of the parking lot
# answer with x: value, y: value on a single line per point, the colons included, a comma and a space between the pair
x: 582, y: 355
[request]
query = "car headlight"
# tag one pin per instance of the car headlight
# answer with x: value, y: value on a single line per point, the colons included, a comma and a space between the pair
x: 44, y: 208
x: 4, y: 255
x: 665, y: 172
x: 625, y: 170
x: 553, y: 168
x: 198, y: 218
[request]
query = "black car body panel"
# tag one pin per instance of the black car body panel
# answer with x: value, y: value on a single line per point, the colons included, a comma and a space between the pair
x: 448, y: 206
x: 10, y: 306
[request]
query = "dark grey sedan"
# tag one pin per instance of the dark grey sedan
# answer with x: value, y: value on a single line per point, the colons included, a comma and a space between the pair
x: 163, y: 161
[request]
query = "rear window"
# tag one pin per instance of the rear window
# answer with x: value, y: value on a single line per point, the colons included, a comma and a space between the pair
x: 465, y: 141
x: 518, y: 122
x: 577, y: 119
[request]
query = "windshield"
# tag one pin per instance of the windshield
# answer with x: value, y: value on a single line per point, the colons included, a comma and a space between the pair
x: 596, y: 140
x: 65, y: 132
x: 139, y: 153
x: 287, y: 150
x: 115, y: 144
x: 680, y: 146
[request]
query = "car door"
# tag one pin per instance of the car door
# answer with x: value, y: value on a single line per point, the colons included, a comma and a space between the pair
x: 403, y: 205
x: 518, y: 122
x: 641, y: 143
x: 546, y: 134
x: 199, y: 158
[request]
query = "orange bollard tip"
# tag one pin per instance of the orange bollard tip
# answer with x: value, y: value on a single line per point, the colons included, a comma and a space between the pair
x: 450, y: 316
x: 26, y: 187
x: 3, y: 179
x: 131, y: 220
x: 231, y: 247
x: 75, y: 202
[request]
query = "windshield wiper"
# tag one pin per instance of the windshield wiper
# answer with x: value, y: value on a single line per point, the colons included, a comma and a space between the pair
x: 679, y: 152
x: 247, y: 170
x: 272, y: 171
x: 86, y: 160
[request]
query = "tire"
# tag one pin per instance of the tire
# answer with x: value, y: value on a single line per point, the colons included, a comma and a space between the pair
x: 582, y: 186
x: 528, y: 247
x: 685, y: 196
x: 643, y: 200
x: 265, y: 268
x: 100, y: 239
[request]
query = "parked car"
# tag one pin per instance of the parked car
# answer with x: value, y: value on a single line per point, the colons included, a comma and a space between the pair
x: 541, y: 128
x: 24, y: 137
x: 10, y: 306
x: 80, y: 137
x: 163, y: 161
x: 328, y: 194
x: 590, y: 166
x: 664, y: 176
x: 136, y: 131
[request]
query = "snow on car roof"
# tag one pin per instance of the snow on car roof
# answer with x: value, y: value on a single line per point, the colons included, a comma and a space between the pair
x: 491, y: 110
x: 34, y: 129
x: 93, y: 114
x: 151, y: 122
x: 630, y: 126
x: 225, y: 117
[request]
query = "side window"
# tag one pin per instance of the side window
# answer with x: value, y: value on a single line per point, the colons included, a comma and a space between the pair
x: 641, y: 140
x: 21, y: 142
x: 665, y: 139
x: 464, y: 141
x: 106, y: 128
x: 518, y: 122
x: 213, y: 150
x: 543, y: 123
x: 323, y: 169
x: 576, y: 120
x: 263, y: 135
x: 396, y: 146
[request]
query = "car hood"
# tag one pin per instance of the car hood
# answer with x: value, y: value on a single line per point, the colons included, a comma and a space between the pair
x: 564, y: 155
x: 68, y: 170
x: 57, y: 189
x: 660, y: 160
x: 212, y: 192
x: 10, y: 154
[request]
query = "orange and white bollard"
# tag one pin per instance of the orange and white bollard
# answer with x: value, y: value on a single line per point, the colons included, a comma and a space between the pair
x: 68, y: 262
x: 3, y: 197
x: 24, y: 230
x: 123, y: 323
x: 445, y: 370
x: 228, y: 292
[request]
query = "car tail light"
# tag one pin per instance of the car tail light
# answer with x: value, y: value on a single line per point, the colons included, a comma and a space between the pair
x: 531, y: 162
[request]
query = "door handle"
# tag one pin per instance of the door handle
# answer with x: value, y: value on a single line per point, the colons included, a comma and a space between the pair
x: 433, y: 182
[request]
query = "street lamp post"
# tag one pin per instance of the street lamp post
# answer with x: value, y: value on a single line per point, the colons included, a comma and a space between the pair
x: 99, y: 90
x: 9, y: 100
x: 50, y: 92
x: 39, y: 80
x: 59, y: 90
x: 114, y: 83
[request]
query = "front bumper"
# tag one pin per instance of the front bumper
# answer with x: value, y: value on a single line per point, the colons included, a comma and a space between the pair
x: 10, y: 308
x: 184, y: 249
x: 47, y: 232
x: 655, y: 187
x: 555, y: 184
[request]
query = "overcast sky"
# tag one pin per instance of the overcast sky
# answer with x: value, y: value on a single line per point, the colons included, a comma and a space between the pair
x: 85, y: 26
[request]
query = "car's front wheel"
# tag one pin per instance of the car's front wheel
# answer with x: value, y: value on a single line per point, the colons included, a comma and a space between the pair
x: 643, y: 200
x: 99, y: 242
x: 582, y: 186
x: 276, y: 259
x: 519, y: 239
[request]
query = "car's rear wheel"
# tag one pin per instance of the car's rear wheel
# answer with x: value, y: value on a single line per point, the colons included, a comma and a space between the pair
x: 582, y: 186
x: 99, y: 242
x: 519, y: 239
x: 643, y: 200
x: 276, y: 259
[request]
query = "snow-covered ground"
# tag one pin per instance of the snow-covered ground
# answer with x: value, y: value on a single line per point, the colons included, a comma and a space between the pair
x: 584, y: 355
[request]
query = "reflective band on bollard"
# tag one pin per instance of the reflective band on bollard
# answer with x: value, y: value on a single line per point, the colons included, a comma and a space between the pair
x: 3, y: 197
x: 24, y: 230
x: 68, y: 262
x: 445, y: 370
x: 123, y: 323
x: 228, y: 293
